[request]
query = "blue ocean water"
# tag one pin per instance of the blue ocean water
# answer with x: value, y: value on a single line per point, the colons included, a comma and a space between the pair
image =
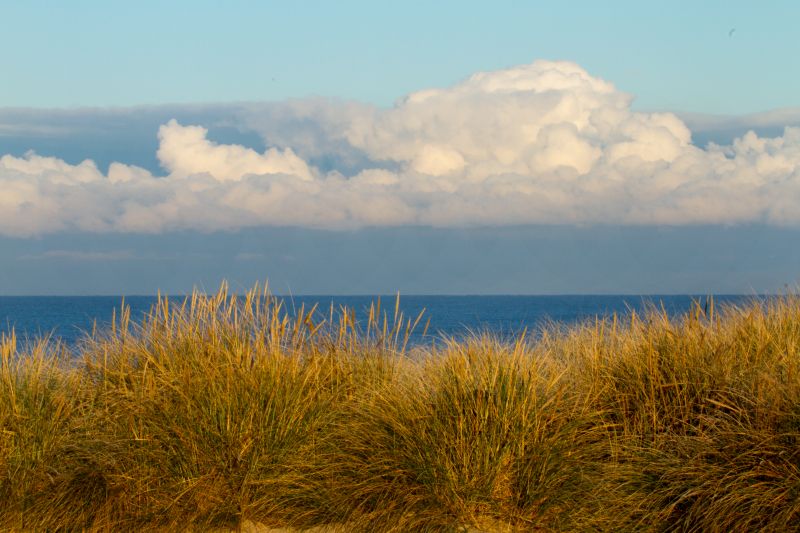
x: 69, y: 318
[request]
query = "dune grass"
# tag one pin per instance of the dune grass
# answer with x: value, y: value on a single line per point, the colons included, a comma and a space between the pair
x: 220, y: 409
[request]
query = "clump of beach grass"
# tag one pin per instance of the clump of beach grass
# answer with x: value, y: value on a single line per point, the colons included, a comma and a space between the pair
x: 221, y: 410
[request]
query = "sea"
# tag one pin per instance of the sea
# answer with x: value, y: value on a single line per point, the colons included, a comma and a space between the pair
x: 70, y: 318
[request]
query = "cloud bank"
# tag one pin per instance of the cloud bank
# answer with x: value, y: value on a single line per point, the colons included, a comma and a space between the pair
x: 544, y: 143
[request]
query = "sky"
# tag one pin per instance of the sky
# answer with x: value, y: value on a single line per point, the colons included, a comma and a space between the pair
x: 674, y: 55
x: 364, y: 148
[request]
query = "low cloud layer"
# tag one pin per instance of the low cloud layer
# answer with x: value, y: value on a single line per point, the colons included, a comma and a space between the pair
x: 541, y: 143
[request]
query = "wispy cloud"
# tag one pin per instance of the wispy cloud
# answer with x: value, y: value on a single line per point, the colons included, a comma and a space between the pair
x: 249, y: 256
x: 80, y: 255
x: 540, y: 143
x: 17, y: 129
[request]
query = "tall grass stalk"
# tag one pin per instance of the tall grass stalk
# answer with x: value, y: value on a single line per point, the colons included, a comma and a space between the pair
x: 218, y: 410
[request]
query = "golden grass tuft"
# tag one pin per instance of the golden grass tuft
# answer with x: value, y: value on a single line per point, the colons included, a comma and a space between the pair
x: 222, y: 411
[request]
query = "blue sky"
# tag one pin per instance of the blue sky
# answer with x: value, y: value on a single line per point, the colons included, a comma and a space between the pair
x: 426, y: 147
x: 672, y: 55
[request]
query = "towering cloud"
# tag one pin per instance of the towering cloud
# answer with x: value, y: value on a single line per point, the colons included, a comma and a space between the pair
x: 539, y: 143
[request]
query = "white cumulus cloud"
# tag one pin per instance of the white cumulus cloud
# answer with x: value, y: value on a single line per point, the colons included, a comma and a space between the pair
x: 185, y: 151
x: 539, y: 143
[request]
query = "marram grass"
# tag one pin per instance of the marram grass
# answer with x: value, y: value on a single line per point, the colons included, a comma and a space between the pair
x: 219, y: 410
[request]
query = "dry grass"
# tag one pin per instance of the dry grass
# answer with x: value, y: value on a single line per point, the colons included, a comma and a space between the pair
x: 220, y: 411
